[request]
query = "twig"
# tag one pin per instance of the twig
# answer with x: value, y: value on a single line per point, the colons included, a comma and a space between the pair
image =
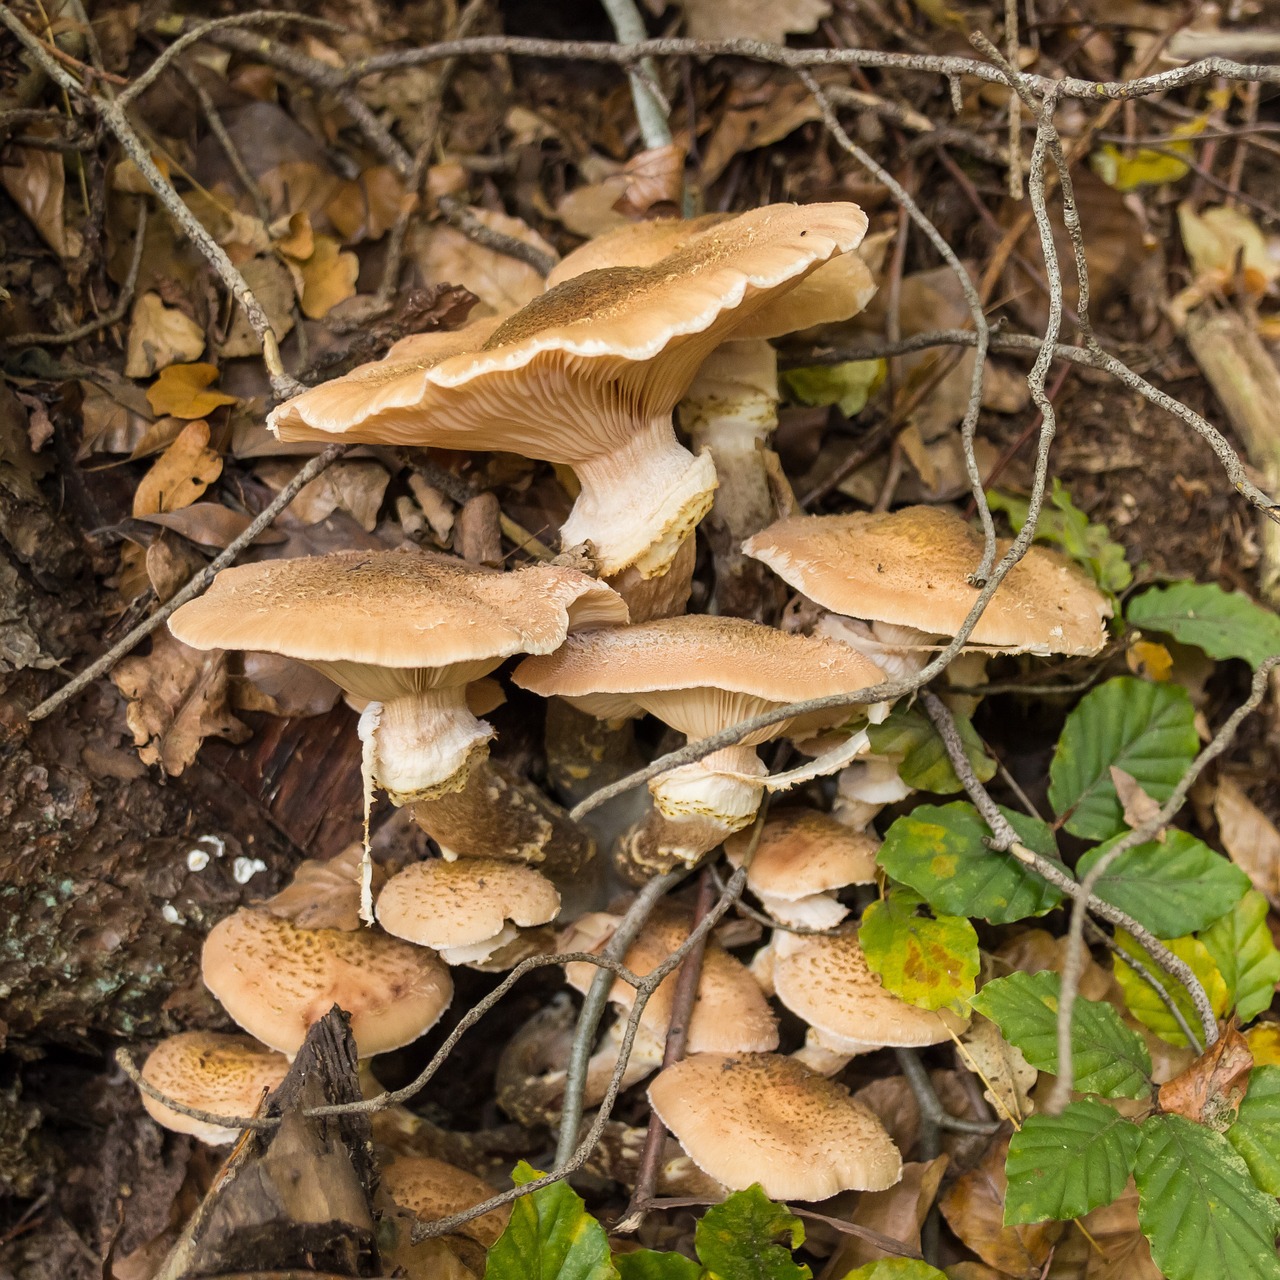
x: 194, y: 587
x: 461, y: 217
x: 747, y: 911
x: 1015, y: 103
x: 932, y: 1113
x: 651, y: 112
x: 457, y: 489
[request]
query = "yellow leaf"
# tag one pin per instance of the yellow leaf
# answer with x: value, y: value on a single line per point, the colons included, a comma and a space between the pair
x: 180, y: 475
x: 298, y: 240
x: 1127, y: 170
x: 181, y: 391
x: 328, y: 278
x: 1149, y: 660
x: 1264, y: 1044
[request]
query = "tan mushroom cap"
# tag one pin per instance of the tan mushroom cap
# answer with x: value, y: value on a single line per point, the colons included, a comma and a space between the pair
x: 730, y: 1013
x: 275, y: 980
x: 227, y: 1075
x: 802, y: 852
x: 405, y: 610
x: 767, y: 1118
x: 432, y: 1189
x: 441, y: 904
x: 699, y: 673
x: 909, y: 568
x: 826, y: 981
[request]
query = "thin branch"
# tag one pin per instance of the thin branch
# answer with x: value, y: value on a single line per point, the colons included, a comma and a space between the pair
x: 465, y: 221
x: 932, y: 1112
x: 651, y: 111
x: 196, y: 586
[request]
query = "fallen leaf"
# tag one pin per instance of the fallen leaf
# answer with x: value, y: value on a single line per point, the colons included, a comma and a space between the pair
x: 294, y: 236
x: 356, y: 487
x: 1264, y: 1043
x: 653, y: 179
x: 39, y: 424
x: 1210, y: 1090
x: 1009, y: 1077
x: 1249, y: 837
x: 180, y: 475
x: 325, y: 895
x: 282, y: 687
x: 157, y: 437
x: 273, y: 287
x: 171, y: 564
x: 107, y: 424
x: 1122, y: 1252
x: 1223, y: 242
x: 177, y: 698
x: 160, y: 336
x: 756, y: 116
x: 210, y: 524
x: 182, y: 391
x: 1150, y: 660
x: 898, y: 1213
x: 1138, y: 806
x: 367, y: 208
x: 770, y: 20
x: 326, y: 278
x: 36, y: 182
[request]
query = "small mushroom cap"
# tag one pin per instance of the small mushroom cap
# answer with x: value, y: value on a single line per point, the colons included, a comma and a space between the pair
x: 275, y: 980
x: 394, y: 609
x: 909, y: 567
x: 767, y: 1118
x: 462, y: 903
x: 699, y: 673
x: 802, y: 852
x: 226, y: 1075
x: 432, y: 1189
x: 730, y: 1012
x: 826, y: 981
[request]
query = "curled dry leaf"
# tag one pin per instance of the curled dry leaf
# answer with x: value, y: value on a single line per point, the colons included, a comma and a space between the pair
x: 180, y: 475
x: 282, y: 687
x: 356, y: 487
x: 1249, y: 837
x: 325, y: 895
x: 367, y: 208
x: 326, y: 278
x: 1210, y: 1090
x: 36, y: 182
x: 770, y: 20
x: 652, y: 179
x: 183, y: 391
x: 171, y: 564
x: 210, y: 524
x: 111, y: 424
x: 160, y: 336
x: 756, y: 116
x: 1138, y: 806
x: 1007, y: 1075
x: 177, y: 698
x: 898, y: 1213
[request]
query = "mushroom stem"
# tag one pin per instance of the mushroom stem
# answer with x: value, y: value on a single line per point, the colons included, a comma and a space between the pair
x: 664, y: 596
x: 640, y: 501
x: 424, y: 744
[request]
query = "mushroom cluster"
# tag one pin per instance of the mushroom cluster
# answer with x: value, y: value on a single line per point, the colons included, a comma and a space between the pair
x: 589, y: 375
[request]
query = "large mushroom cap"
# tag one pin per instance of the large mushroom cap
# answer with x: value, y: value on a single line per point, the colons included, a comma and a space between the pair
x: 464, y: 903
x: 395, y: 609
x: 767, y: 1118
x: 826, y: 981
x: 275, y: 980
x: 801, y: 852
x: 226, y: 1075
x: 910, y: 567
x: 432, y: 1189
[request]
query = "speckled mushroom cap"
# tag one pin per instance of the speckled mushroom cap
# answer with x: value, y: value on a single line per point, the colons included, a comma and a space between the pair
x: 432, y: 1189
x: 353, y: 612
x: 275, y: 980
x: 767, y: 1118
x: 440, y: 904
x: 802, y: 852
x: 826, y: 981
x: 700, y: 673
x: 730, y: 1012
x: 227, y: 1075
x: 909, y: 567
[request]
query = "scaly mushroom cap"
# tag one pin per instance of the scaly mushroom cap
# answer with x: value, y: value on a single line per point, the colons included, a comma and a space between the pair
x: 767, y: 1118
x: 275, y: 980
x: 444, y: 904
x: 909, y: 568
x: 226, y: 1075
x: 826, y: 982
x: 802, y: 852
x: 730, y: 1012
x: 699, y: 674
x: 432, y: 1189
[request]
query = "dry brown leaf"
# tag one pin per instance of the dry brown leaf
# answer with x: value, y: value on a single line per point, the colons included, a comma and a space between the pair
x: 177, y: 698
x: 273, y: 287
x: 898, y: 1213
x: 1001, y: 1066
x: 282, y: 687
x: 653, y: 182
x: 974, y: 1209
x: 171, y: 564
x: 158, y: 436
x: 756, y: 117
x: 356, y: 487
x: 39, y: 424
x: 770, y: 20
x: 109, y: 425
x: 130, y: 579
x: 182, y: 390
x: 160, y: 336
x: 1138, y: 806
x: 210, y: 524
x: 180, y: 475
x: 367, y: 208
x: 295, y: 238
x: 36, y: 183
x: 1249, y: 837
x: 325, y: 895
x: 591, y: 210
x: 1210, y: 1090
x: 502, y: 283
x: 326, y: 278
x: 1123, y: 1252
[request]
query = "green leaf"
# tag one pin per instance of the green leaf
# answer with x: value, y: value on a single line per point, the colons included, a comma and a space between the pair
x: 1148, y: 730
x: 648, y: 1264
x: 1145, y: 1004
x: 1199, y: 1208
x: 1064, y: 524
x: 940, y: 851
x: 1062, y: 1166
x: 1256, y: 1132
x: 896, y: 1269
x: 551, y: 1236
x: 1109, y: 1058
x: 1242, y: 948
x: 850, y: 385
x: 738, y: 1240
x: 1173, y: 888
x: 929, y: 963
x: 1225, y: 624
x: 909, y: 733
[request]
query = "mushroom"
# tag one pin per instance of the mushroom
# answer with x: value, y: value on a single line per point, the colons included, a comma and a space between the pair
x: 432, y: 1189
x: 275, y: 980
x: 462, y: 909
x: 864, y: 788
x: 731, y: 407
x: 767, y: 1118
x: 227, y: 1075
x: 700, y: 675
x: 587, y: 375
x: 802, y: 858
x: 826, y: 981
